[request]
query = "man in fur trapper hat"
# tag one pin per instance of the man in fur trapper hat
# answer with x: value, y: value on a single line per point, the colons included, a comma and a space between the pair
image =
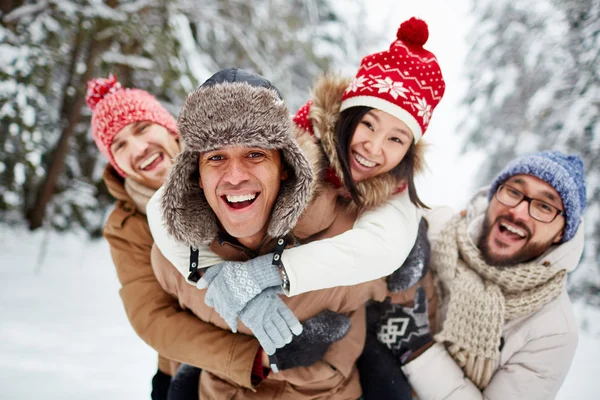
x: 508, y: 328
x: 240, y: 184
x: 139, y: 138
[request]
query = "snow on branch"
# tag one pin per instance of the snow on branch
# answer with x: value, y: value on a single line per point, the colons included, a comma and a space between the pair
x: 252, y: 52
x: 135, y: 62
x: 25, y: 11
x: 101, y: 10
x: 138, y: 6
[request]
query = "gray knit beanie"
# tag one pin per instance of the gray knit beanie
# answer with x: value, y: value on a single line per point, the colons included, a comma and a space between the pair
x: 561, y: 171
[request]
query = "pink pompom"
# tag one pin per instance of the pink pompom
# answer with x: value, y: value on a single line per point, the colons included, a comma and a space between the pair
x: 413, y: 32
x: 99, y: 88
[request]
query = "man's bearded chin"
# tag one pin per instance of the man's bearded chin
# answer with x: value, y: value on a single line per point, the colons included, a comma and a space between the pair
x: 528, y: 252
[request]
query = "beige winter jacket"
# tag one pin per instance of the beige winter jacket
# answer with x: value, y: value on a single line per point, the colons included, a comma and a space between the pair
x: 538, y: 349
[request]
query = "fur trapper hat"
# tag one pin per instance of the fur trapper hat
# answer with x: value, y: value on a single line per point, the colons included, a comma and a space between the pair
x: 233, y: 107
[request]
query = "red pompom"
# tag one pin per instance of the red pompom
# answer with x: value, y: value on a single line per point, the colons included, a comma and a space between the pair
x: 413, y: 32
x: 99, y: 88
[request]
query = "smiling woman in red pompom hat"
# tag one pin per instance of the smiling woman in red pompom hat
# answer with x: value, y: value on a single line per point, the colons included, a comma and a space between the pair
x: 371, y: 127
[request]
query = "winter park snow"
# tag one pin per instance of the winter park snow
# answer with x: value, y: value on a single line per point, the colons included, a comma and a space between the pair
x: 64, y: 334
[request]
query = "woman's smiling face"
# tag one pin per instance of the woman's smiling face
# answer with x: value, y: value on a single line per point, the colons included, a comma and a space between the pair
x: 379, y: 144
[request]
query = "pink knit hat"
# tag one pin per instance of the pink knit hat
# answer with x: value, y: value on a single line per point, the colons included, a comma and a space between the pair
x: 114, y: 107
x: 405, y: 81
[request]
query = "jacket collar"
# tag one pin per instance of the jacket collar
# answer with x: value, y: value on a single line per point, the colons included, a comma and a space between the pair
x: 562, y: 256
x: 229, y: 248
x: 115, y: 184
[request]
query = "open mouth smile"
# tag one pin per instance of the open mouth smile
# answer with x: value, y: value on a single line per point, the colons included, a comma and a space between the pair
x: 151, y: 162
x: 241, y: 201
x: 363, y: 161
x: 511, y: 233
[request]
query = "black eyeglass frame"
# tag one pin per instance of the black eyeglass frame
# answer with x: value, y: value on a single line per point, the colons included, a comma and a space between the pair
x: 528, y: 200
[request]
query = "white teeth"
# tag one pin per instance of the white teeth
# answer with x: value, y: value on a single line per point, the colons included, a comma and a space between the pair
x: 363, y: 161
x: 240, y: 198
x: 149, y: 160
x: 514, y: 230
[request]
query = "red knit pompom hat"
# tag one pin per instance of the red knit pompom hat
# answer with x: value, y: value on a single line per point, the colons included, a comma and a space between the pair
x: 114, y: 107
x: 405, y: 81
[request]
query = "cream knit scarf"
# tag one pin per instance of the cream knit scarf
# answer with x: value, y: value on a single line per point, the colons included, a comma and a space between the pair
x: 481, y: 298
x: 139, y: 193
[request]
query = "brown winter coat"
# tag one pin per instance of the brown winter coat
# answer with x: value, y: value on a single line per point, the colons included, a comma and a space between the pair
x: 335, y: 377
x: 154, y: 314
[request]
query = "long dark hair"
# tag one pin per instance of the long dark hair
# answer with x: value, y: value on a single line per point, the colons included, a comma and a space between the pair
x: 344, y: 131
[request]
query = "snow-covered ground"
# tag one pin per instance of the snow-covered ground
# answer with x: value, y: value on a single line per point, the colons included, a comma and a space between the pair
x: 64, y: 334
x: 63, y: 331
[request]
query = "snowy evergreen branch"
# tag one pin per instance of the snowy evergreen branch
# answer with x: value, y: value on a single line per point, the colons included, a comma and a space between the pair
x: 139, y: 6
x: 25, y: 11
x: 135, y: 62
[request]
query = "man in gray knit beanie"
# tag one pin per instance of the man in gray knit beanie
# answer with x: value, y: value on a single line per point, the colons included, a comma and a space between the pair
x: 508, y: 330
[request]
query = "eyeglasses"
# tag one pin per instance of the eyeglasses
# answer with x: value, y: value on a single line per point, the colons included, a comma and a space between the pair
x: 538, y: 209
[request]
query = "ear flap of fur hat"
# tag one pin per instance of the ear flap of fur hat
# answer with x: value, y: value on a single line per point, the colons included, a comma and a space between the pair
x: 233, y: 114
x: 186, y: 212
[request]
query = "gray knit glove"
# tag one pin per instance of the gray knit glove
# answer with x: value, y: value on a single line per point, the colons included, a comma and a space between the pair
x: 231, y: 285
x: 319, y: 333
x: 271, y: 321
x: 405, y: 329
x: 416, y: 264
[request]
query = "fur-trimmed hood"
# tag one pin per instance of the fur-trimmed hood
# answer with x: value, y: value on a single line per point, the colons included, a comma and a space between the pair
x: 323, y: 114
x: 233, y: 108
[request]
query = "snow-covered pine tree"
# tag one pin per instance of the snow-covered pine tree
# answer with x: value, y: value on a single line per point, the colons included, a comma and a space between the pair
x: 50, y: 170
x: 535, y: 85
x: 290, y: 42
x: 578, y: 129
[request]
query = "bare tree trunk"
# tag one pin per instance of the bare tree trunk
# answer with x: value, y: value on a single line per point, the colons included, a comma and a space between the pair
x: 67, y: 102
x: 58, y: 155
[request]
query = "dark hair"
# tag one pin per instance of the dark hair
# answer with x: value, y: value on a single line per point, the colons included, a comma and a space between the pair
x: 344, y: 131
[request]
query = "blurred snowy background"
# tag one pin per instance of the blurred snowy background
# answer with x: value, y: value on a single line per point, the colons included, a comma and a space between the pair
x: 521, y: 76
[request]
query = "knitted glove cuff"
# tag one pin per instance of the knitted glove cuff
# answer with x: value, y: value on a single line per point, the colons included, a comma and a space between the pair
x: 263, y: 272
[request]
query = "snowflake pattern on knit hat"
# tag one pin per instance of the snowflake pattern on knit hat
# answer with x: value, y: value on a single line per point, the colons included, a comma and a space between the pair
x: 405, y: 81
